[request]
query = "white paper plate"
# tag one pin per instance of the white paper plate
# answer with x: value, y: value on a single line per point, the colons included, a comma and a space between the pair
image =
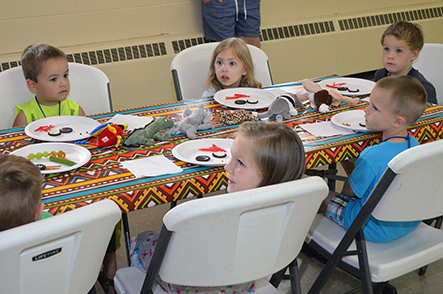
x: 264, y: 98
x: 81, y: 126
x: 364, y: 86
x: 75, y: 153
x: 350, y: 120
x: 188, y: 151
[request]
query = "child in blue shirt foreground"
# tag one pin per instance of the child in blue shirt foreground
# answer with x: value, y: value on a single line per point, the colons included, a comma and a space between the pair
x: 263, y: 153
x: 395, y: 104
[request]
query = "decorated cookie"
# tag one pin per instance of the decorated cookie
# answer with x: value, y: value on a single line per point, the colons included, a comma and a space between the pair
x: 54, y: 132
x: 219, y: 154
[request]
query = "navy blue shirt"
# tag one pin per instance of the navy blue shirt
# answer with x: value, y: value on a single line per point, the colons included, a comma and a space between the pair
x: 430, y: 90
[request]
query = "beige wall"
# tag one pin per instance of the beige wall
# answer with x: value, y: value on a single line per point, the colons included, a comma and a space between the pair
x: 85, y: 25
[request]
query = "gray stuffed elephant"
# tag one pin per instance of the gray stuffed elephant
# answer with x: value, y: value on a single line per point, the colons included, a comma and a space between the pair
x: 193, y: 121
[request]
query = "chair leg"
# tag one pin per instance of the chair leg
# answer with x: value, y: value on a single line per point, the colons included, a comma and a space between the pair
x: 330, y: 174
x: 384, y: 288
x: 309, y: 252
x: 277, y: 277
x: 422, y: 270
x: 294, y: 277
x: 174, y: 203
x: 438, y: 223
x: 92, y: 291
x: 365, y: 275
x: 389, y: 289
x: 335, y: 259
x: 127, y: 234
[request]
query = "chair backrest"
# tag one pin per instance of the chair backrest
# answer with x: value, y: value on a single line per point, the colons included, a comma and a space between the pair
x: 416, y: 193
x: 430, y: 64
x: 190, y: 68
x: 239, y: 237
x: 60, y: 254
x: 89, y: 88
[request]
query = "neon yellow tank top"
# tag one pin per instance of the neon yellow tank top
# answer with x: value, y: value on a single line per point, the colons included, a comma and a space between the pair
x: 33, y: 112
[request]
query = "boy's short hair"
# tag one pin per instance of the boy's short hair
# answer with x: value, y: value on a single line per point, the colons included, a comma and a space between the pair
x: 34, y: 56
x: 278, y: 151
x: 20, y: 191
x: 408, y: 96
x: 411, y: 33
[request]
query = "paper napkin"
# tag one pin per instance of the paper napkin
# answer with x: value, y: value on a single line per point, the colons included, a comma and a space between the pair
x: 132, y: 121
x: 325, y: 129
x: 151, y: 166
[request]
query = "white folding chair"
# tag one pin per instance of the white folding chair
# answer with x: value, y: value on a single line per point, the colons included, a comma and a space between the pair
x: 89, y: 88
x: 231, y: 239
x: 60, y: 254
x: 411, y: 189
x: 190, y: 68
x: 430, y: 64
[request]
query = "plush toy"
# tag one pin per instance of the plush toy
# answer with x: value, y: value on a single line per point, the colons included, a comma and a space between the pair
x: 285, y: 105
x: 193, y: 121
x: 323, y: 99
x: 109, y: 135
x: 155, y: 130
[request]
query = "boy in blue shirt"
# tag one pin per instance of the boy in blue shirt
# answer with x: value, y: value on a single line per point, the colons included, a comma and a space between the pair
x: 402, y: 42
x: 395, y: 104
x: 46, y: 72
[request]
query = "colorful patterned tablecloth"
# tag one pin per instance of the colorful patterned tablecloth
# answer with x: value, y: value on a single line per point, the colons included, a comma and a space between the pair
x: 104, y: 178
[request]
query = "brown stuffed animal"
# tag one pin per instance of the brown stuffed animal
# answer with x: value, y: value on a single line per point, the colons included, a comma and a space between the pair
x: 323, y: 99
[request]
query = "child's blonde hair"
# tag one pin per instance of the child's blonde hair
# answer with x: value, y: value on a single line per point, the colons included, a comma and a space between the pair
x: 35, y: 56
x: 409, y: 32
x: 20, y: 191
x: 408, y: 96
x: 242, y: 52
x: 278, y: 151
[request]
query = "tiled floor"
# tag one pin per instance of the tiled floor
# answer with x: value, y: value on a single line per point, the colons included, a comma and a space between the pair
x: 309, y: 268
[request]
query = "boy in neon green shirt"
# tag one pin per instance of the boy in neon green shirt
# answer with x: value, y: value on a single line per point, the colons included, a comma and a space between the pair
x: 46, y: 72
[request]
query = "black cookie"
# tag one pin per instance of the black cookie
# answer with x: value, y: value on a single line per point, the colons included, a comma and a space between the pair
x: 41, y: 166
x: 240, y: 102
x: 66, y: 130
x: 342, y: 88
x: 203, y: 158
